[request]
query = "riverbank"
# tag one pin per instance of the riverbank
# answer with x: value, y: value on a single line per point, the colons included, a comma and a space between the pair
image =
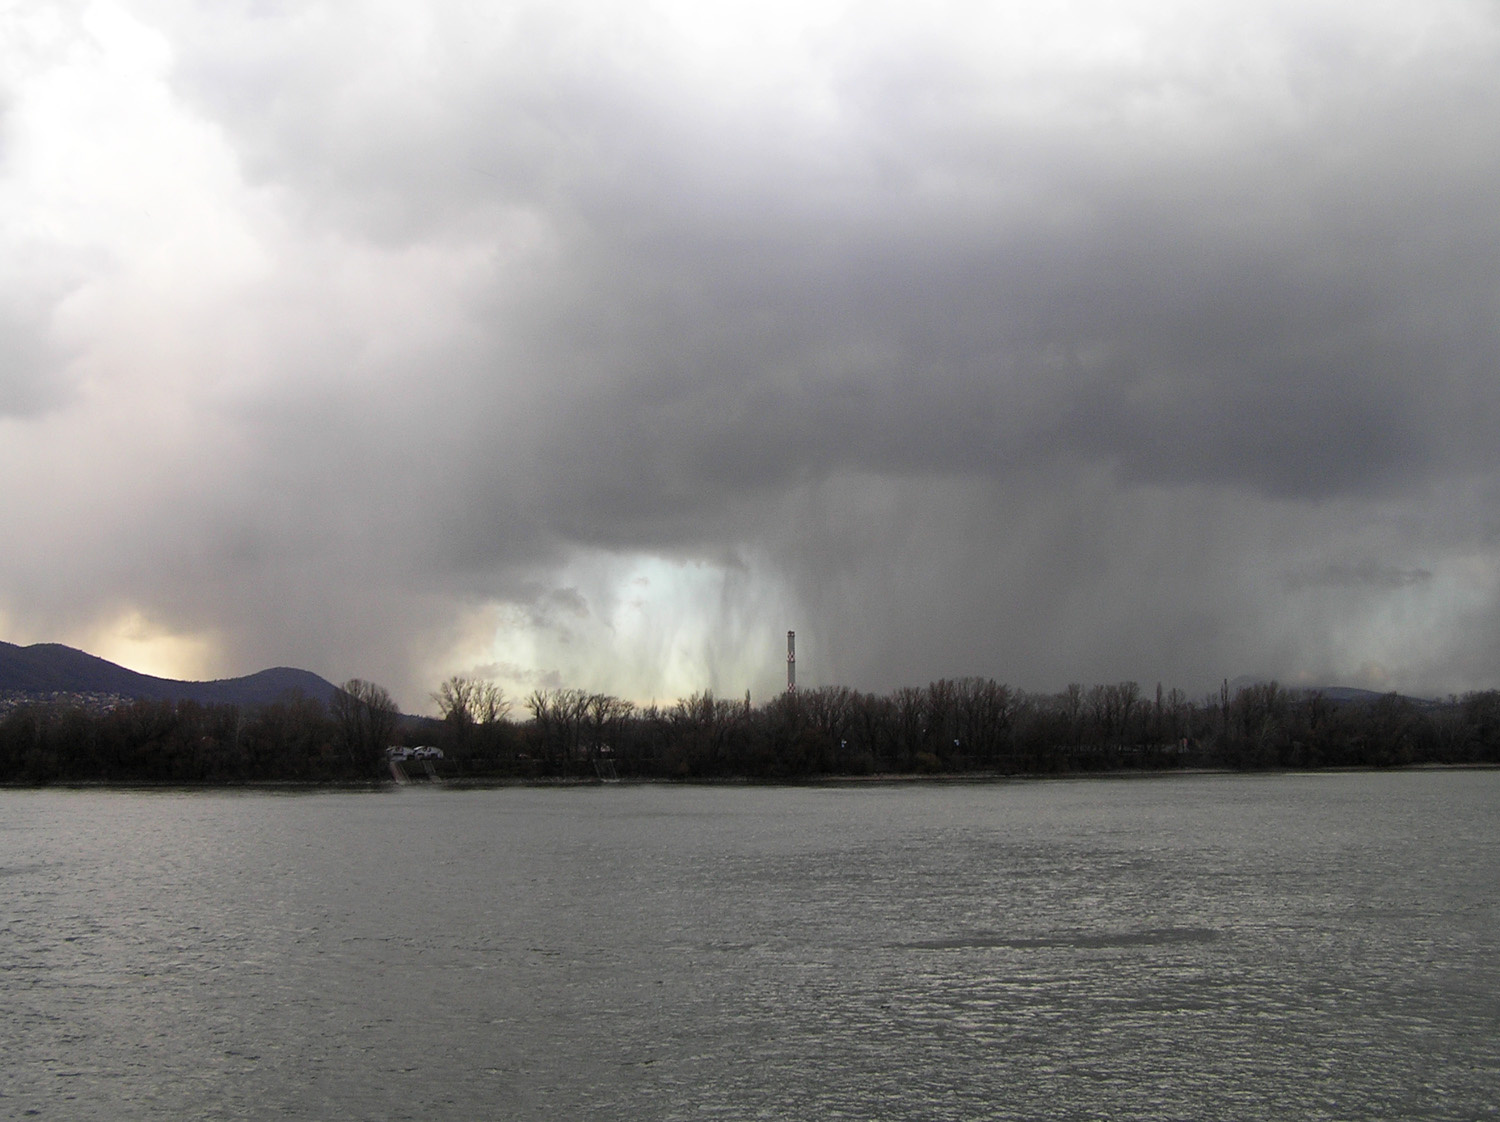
x: 915, y: 779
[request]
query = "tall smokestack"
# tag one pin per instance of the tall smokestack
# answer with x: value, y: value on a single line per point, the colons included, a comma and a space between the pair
x: 791, y: 662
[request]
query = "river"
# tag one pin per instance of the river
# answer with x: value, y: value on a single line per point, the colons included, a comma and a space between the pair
x: 1311, y: 946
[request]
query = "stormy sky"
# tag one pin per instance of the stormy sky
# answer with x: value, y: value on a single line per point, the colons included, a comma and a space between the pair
x: 598, y: 344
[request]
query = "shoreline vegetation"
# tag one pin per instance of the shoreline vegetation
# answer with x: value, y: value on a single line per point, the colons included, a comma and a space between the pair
x: 963, y: 730
x: 489, y: 783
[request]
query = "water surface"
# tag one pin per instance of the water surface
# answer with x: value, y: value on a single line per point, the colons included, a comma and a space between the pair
x: 1310, y: 946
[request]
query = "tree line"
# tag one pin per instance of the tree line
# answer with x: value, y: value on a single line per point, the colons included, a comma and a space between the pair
x: 297, y: 738
x: 951, y: 726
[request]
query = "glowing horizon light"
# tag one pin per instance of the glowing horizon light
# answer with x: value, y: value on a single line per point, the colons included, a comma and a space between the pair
x: 133, y: 641
x: 640, y: 626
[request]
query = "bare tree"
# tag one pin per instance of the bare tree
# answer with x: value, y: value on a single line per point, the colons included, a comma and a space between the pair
x: 942, y: 738
x: 544, y: 720
x: 909, y: 705
x: 604, y: 715
x: 471, y: 701
x: 1070, y: 703
x: 559, y: 717
x: 455, y: 700
x: 984, y: 710
x: 493, y: 706
x: 366, y: 716
x: 829, y: 709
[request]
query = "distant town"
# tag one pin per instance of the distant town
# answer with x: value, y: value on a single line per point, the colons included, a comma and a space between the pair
x: 92, y: 702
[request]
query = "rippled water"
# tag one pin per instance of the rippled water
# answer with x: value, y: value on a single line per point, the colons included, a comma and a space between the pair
x: 1320, y: 946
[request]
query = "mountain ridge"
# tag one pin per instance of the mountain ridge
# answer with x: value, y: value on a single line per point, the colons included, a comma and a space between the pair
x: 44, y: 668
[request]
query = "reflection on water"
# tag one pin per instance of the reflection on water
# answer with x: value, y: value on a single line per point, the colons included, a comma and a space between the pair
x: 1244, y: 947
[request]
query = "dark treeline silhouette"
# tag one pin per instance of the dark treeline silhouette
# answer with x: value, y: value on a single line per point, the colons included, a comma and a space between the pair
x: 966, y: 726
x: 296, y: 739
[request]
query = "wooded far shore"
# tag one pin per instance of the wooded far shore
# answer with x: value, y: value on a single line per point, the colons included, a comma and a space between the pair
x: 951, y: 727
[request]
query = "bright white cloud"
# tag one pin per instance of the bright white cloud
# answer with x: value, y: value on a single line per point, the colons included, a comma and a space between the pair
x: 649, y: 628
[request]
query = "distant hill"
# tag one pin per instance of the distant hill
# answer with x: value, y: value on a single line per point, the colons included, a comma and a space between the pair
x: 1347, y: 693
x: 1340, y: 695
x: 45, y: 668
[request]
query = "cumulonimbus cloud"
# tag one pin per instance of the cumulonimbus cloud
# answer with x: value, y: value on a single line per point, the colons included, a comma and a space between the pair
x: 1024, y: 343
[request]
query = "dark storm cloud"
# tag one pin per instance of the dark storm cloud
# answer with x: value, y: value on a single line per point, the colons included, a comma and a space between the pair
x: 1366, y: 574
x: 1272, y: 315
x: 1251, y: 306
x: 1048, y: 338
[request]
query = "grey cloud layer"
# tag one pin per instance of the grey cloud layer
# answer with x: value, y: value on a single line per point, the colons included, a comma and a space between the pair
x: 1019, y: 361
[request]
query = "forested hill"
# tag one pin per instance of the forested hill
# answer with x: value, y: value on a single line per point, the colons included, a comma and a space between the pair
x: 47, y: 668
